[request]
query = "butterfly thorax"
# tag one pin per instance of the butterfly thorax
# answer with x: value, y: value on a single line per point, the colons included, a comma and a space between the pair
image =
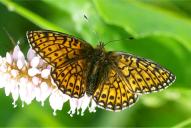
x: 97, y: 62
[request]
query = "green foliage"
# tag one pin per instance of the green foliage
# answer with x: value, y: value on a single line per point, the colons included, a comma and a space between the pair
x: 163, y: 33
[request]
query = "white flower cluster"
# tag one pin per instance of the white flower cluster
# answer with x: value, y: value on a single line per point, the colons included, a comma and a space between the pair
x: 30, y: 79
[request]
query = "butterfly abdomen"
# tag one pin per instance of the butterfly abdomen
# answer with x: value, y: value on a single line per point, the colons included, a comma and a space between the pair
x: 91, y: 83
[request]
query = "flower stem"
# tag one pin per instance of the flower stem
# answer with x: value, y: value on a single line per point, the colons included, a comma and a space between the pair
x: 36, y: 19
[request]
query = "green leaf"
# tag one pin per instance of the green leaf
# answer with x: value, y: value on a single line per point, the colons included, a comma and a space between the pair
x: 142, y: 20
x: 152, y: 26
x: 36, y: 19
x: 183, y: 124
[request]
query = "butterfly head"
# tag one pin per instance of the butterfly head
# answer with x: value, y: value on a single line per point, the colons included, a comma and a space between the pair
x: 101, y: 45
x: 100, y: 50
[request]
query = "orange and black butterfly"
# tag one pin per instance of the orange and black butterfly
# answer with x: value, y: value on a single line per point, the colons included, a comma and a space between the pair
x: 113, y: 79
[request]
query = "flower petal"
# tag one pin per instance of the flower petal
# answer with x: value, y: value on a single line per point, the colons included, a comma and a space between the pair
x: 4, y: 79
x: 1, y: 79
x: 15, y: 92
x: 33, y: 71
x: 73, y: 106
x: 21, y: 56
x: 35, y: 61
x: 57, y: 99
x: 20, y: 64
x: 31, y: 54
x: 30, y: 95
x: 85, y: 103
x: 9, y: 58
x: 93, y: 106
x: 3, y: 68
x: 45, y: 91
x: 14, y: 73
x: 45, y: 73
x: 42, y: 62
x: 8, y: 86
x: 22, y: 88
x: 18, y: 54
x: 36, y: 80
x: 1, y: 60
x: 15, y: 52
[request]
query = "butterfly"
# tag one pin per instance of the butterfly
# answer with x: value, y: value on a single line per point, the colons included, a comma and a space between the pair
x: 114, y: 80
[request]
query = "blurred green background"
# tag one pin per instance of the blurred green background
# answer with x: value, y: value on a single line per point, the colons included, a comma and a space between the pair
x: 163, y: 33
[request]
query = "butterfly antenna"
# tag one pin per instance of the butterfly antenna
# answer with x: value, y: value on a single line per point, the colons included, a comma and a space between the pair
x: 96, y: 34
x: 129, y: 38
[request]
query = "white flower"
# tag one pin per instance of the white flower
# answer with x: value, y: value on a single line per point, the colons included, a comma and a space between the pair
x: 29, y: 78
x: 60, y: 100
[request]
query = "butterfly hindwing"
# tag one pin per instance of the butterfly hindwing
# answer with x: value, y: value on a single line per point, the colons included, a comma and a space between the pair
x: 143, y: 76
x: 112, y: 93
x: 57, y: 48
x: 71, y: 78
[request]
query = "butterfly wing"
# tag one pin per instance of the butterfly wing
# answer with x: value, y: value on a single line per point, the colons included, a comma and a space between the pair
x: 141, y: 75
x: 71, y: 79
x: 56, y: 48
x: 112, y: 93
x: 67, y: 55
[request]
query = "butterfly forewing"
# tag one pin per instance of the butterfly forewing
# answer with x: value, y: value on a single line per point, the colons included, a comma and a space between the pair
x: 112, y: 93
x: 57, y: 48
x: 141, y: 75
x: 67, y: 55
